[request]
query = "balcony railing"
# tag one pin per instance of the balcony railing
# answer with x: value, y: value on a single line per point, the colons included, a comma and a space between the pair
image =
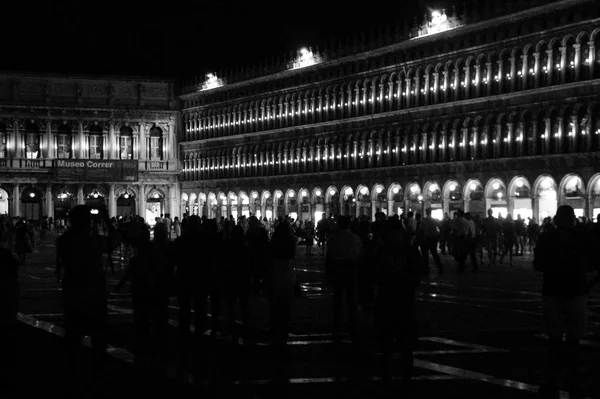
x: 162, y: 166
x: 26, y: 164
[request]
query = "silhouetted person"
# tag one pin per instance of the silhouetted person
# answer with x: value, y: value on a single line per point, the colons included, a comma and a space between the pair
x: 431, y: 233
x: 79, y: 256
x: 9, y: 305
x: 23, y: 244
x: 397, y: 278
x: 280, y: 281
x: 343, y: 250
x: 257, y: 240
x: 564, y: 256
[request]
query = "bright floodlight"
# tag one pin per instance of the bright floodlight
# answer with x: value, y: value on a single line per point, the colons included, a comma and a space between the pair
x: 267, y: 195
x: 318, y: 193
x: 379, y: 190
x: 452, y: 187
x: 278, y: 195
x: 436, y: 14
x: 364, y: 191
x: 413, y: 189
x: 348, y: 191
x: 432, y: 188
x: 496, y: 186
x: 32, y: 195
x: 473, y: 186
x: 395, y: 190
x: 254, y: 195
x: 331, y: 192
x: 304, y: 51
x: 519, y: 184
x: 420, y: 198
x: 291, y: 194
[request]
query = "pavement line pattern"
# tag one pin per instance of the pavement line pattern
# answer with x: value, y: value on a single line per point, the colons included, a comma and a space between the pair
x: 584, y: 342
x: 117, y: 353
x: 469, y: 345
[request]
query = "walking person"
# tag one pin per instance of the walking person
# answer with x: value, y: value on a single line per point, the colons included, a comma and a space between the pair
x: 565, y: 257
x: 79, y: 261
x: 431, y: 231
x: 509, y: 235
x: 280, y: 282
x: 397, y: 278
x: 491, y: 231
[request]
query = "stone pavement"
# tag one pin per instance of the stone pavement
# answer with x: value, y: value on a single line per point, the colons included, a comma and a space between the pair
x: 480, y: 334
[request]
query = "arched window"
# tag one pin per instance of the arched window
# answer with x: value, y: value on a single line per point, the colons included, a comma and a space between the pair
x: 125, y: 143
x: 64, y: 141
x: 96, y: 142
x: 32, y: 140
x: 156, y: 144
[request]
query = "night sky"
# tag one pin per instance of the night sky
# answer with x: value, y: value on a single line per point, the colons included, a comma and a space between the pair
x: 175, y: 37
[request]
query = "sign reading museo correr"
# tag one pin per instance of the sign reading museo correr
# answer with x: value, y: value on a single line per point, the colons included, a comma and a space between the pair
x: 96, y: 170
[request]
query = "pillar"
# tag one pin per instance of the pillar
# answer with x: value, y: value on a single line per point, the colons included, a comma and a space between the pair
x: 80, y: 198
x: 16, y: 200
x: 174, y: 201
x: 112, y: 201
x: 477, y: 80
x: 592, y: 59
x: 373, y: 210
x: 141, y: 199
x: 513, y: 74
x: 390, y: 207
x: 577, y: 48
x: 142, y: 142
x: 172, y: 142
x: 563, y: 64
x: 112, y: 146
x: 50, y: 153
x: 49, y: 202
x: 81, y: 141
x: 536, y: 71
x: 18, y: 146
x: 436, y: 87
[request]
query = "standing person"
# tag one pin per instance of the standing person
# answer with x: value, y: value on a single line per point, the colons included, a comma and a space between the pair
x: 341, y: 263
x: 533, y: 229
x: 176, y: 227
x: 520, y: 231
x: 510, y: 236
x: 309, y: 228
x: 564, y: 256
x: 280, y: 281
x: 431, y: 230
x: 472, y: 241
x: 462, y: 230
x: 323, y: 229
x: 168, y: 225
x: 9, y: 306
x: 446, y: 230
x: 397, y: 278
x: 23, y: 244
x: 257, y: 240
x: 79, y: 255
x: 491, y: 230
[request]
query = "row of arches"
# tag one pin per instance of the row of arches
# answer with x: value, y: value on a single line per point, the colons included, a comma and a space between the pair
x: 536, y: 197
x: 550, y: 61
x: 571, y: 129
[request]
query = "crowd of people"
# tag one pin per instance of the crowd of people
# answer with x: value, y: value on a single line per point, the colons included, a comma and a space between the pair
x: 371, y: 266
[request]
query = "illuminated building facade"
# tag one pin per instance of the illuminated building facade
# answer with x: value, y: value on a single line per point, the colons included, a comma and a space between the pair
x: 484, y: 108
x: 105, y: 142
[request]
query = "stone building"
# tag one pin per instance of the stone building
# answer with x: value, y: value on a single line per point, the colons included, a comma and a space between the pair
x: 479, y: 108
x: 106, y: 142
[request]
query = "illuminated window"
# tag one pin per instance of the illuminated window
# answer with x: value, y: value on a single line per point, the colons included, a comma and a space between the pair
x: 126, y: 143
x: 32, y: 141
x: 156, y: 142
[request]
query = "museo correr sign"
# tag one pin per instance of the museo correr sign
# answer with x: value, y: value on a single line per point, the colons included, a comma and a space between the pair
x: 96, y: 170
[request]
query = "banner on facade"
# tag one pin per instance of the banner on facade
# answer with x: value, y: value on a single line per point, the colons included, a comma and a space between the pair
x: 96, y: 170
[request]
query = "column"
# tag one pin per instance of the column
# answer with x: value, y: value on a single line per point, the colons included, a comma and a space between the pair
x: 426, y: 90
x: 577, y: 48
x: 18, y: 145
x: 112, y: 201
x: 513, y: 74
x: 488, y: 79
x: 563, y: 64
x: 112, y: 147
x: 80, y: 198
x: 477, y: 80
x: 16, y: 197
x: 467, y: 82
x: 509, y: 139
x: 536, y: 71
x: 172, y: 142
x: 49, y: 141
x: 81, y: 141
x: 436, y: 87
x: 174, y: 199
x: 141, y: 198
x: 49, y: 202
x: 497, y: 141
x: 550, y: 67
x: 500, y: 76
x: 390, y: 207
x: 592, y: 59
x: 373, y: 210
x: 547, y: 135
x: 142, y: 142
x: 445, y: 86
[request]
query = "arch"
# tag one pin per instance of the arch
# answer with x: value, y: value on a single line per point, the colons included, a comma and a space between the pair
x: 376, y: 191
x: 472, y: 186
x: 329, y: 194
x: 451, y: 186
x: 495, y: 184
x: 316, y: 193
x: 393, y: 190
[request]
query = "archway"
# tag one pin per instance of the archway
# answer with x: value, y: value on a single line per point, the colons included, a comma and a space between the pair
x: 126, y: 204
x: 348, y: 204
x: 318, y: 201
x: 519, y: 195
x: 255, y: 207
x: 304, y: 200
x: 432, y: 198
x: 278, y: 205
x: 495, y: 197
x: 234, y: 210
x: 184, y: 204
x: 363, y: 202
x: 291, y: 204
x: 202, y: 205
x: 245, y: 204
x: 222, y: 206
x: 414, y: 199
x: 4, y: 204
x: 545, y: 197
x: 396, y: 199
x: 213, y: 206
x: 594, y: 196
x: 474, y: 198
x: 267, y: 204
x: 572, y: 192
x: 64, y: 201
x: 380, y: 199
x: 155, y: 205
x: 332, y: 201
x: 453, y: 197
